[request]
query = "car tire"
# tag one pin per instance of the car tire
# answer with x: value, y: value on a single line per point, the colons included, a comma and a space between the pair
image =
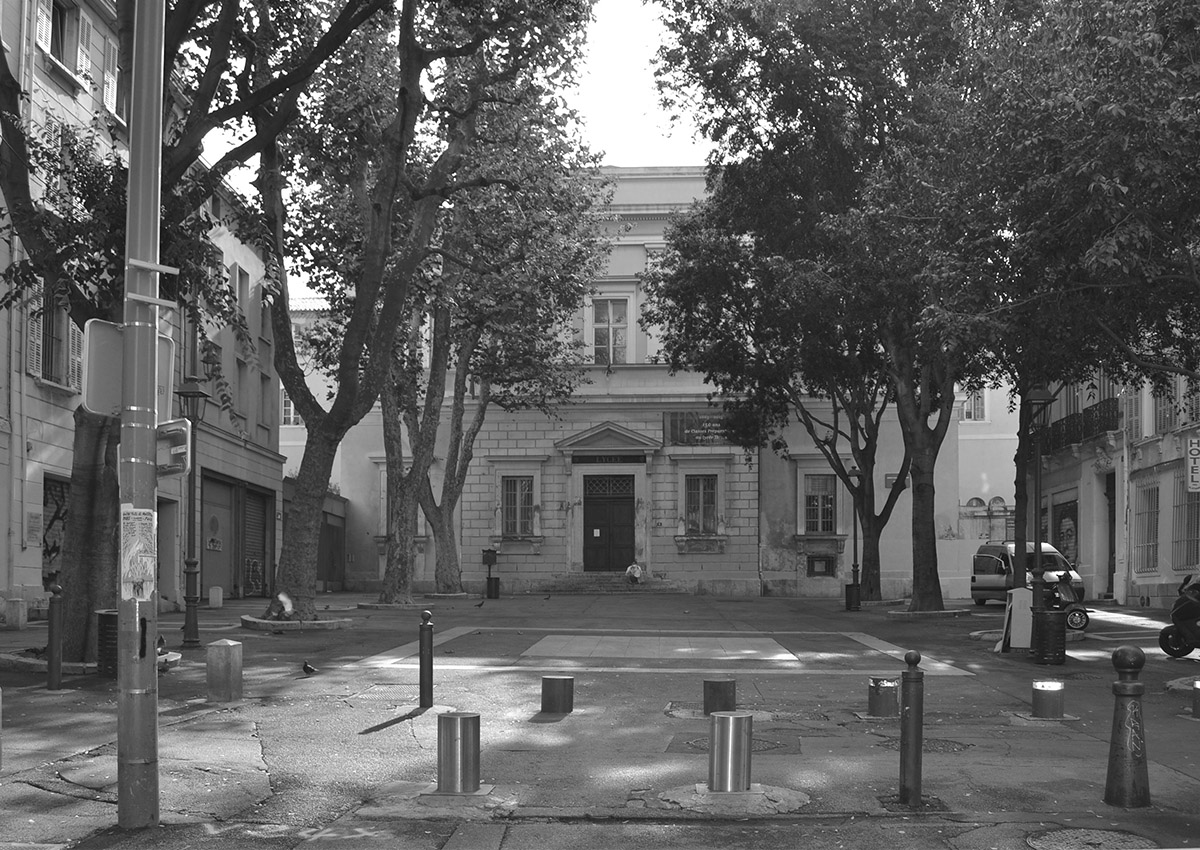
x: 981, y: 602
x: 1077, y: 619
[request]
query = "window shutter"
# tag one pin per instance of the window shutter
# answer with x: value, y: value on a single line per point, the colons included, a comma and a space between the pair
x: 33, y: 332
x: 43, y: 34
x: 75, y: 367
x: 83, y: 55
x: 110, y: 75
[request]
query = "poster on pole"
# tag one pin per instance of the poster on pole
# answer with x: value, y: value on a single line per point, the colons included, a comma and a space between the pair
x: 139, y: 552
x: 1193, y: 465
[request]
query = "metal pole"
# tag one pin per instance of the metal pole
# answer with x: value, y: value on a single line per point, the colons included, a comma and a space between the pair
x: 1037, y: 571
x: 425, y: 658
x: 54, y: 640
x: 191, y: 566
x: 137, y: 668
x: 912, y: 715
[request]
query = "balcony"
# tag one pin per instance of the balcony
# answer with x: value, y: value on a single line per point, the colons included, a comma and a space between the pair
x: 1094, y: 421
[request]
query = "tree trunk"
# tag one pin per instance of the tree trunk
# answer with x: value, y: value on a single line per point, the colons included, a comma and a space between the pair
x: 296, y: 578
x: 869, y: 581
x: 448, y: 572
x: 401, y: 498
x: 927, y: 587
x: 91, y: 537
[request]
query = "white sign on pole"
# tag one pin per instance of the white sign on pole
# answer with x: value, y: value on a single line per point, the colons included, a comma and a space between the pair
x: 1193, y: 465
x: 103, y: 354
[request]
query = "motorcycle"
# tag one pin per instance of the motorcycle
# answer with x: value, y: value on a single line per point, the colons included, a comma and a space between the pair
x: 1063, y: 597
x: 1183, y: 635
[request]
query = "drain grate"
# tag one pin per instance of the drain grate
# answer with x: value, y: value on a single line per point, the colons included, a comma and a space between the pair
x: 929, y: 745
x: 389, y: 693
x: 757, y: 745
x: 1088, y: 839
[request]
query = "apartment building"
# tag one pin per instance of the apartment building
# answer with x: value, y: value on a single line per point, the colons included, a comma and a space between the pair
x: 64, y: 56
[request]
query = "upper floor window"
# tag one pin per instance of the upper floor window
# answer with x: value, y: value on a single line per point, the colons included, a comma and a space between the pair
x: 973, y: 409
x: 516, y: 505
x: 820, y: 504
x: 287, y: 411
x: 54, y: 349
x: 65, y: 33
x: 610, y: 330
x: 1165, y: 407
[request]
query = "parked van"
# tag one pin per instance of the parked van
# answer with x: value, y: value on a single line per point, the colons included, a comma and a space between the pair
x: 992, y: 570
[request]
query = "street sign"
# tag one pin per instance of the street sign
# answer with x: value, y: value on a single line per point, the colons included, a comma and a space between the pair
x: 103, y: 356
x: 1193, y: 465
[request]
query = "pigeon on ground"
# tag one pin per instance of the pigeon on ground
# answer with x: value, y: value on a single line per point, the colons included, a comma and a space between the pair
x: 547, y: 596
x: 308, y: 668
x: 161, y: 645
x: 479, y: 604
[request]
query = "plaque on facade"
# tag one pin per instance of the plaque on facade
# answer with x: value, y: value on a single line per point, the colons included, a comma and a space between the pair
x: 694, y: 428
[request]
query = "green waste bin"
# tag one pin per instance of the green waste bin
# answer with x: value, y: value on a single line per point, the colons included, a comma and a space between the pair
x: 106, y: 643
x: 1049, y: 637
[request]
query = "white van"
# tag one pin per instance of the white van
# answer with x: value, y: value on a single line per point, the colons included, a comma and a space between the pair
x: 992, y: 570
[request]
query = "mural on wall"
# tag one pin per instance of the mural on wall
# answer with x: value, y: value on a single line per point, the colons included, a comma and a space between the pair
x: 1066, y: 532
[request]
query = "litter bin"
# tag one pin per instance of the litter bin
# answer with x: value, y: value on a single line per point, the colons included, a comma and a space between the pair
x: 106, y: 643
x: 1049, y: 637
x: 493, y: 587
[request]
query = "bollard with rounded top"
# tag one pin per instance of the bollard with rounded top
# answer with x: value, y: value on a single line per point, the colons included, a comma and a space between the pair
x: 1196, y: 699
x: 54, y: 639
x: 720, y: 695
x: 1128, y: 781
x: 458, y: 752
x: 1048, y: 698
x: 730, y: 741
x: 882, y: 699
x: 912, y: 711
x: 558, y: 694
x: 425, y: 659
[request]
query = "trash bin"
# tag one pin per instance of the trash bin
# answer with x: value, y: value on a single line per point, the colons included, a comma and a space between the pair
x: 853, y: 597
x: 1049, y: 637
x: 106, y: 643
x: 493, y: 587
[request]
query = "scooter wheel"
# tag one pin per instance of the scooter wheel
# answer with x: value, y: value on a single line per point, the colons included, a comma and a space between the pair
x: 1174, y: 642
x: 1077, y: 619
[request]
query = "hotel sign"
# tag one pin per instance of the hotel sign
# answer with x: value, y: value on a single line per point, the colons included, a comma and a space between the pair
x: 694, y: 428
x: 1193, y: 465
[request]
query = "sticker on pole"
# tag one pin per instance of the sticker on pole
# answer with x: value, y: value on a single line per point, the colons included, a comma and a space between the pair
x: 1193, y: 465
x: 139, y: 552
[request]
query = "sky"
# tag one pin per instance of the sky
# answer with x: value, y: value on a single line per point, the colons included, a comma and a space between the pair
x: 616, y: 93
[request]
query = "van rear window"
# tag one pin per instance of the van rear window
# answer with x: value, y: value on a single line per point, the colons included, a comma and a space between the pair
x: 987, y: 565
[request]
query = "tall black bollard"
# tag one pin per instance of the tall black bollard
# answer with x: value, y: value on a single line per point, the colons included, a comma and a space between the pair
x: 912, y: 718
x: 425, y: 658
x: 1128, y: 781
x: 54, y: 639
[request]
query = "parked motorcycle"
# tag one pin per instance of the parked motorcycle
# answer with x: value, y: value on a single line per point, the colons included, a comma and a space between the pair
x: 1183, y: 635
x: 1062, y: 596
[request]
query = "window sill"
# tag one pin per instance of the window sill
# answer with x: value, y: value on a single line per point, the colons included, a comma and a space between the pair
x: 526, y: 544
x: 820, y: 544
x: 700, y: 544
x: 55, y: 386
x: 64, y: 75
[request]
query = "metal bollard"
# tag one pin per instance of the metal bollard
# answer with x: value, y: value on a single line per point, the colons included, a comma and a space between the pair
x: 1, y: 727
x: 912, y: 718
x: 720, y: 695
x: 1196, y: 700
x: 425, y: 658
x: 458, y: 752
x: 558, y: 694
x: 54, y: 638
x: 1128, y: 781
x: 882, y: 700
x: 223, y: 670
x: 1048, y: 698
x: 730, y: 742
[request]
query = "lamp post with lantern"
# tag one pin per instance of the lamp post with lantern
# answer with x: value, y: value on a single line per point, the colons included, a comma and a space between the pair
x: 854, y: 589
x: 192, y: 401
x: 1039, y: 400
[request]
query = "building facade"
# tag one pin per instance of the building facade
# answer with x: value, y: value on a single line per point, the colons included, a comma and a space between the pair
x: 64, y: 56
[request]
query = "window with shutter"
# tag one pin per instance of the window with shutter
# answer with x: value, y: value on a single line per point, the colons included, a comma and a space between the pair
x: 110, y: 76
x: 83, y: 52
x: 33, y: 332
x: 75, y: 367
x: 44, y: 26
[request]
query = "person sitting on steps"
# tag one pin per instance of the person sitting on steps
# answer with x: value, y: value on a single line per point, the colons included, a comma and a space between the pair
x: 633, y: 572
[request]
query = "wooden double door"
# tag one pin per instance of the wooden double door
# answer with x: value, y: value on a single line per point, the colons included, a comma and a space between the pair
x: 608, y: 522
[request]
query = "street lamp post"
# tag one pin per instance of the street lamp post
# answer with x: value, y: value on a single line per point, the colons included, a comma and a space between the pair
x: 192, y: 400
x: 853, y: 589
x: 1039, y: 400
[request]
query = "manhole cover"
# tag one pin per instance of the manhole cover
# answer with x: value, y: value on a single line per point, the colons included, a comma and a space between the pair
x: 1088, y: 839
x: 929, y: 745
x: 757, y: 745
x: 394, y: 694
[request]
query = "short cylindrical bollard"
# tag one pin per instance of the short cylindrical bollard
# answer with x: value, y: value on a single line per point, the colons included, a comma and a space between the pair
x: 882, y: 699
x: 1128, y: 781
x: 223, y: 663
x: 720, y: 695
x: 730, y: 740
x: 54, y: 638
x: 558, y: 694
x: 425, y: 659
x: 1048, y: 699
x: 1196, y: 699
x: 458, y: 753
x: 912, y: 718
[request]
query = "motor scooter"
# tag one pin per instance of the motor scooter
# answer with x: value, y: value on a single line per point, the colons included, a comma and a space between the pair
x: 1062, y: 597
x: 1183, y: 635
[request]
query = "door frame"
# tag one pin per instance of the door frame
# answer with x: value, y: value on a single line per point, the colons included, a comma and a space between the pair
x: 641, y: 508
